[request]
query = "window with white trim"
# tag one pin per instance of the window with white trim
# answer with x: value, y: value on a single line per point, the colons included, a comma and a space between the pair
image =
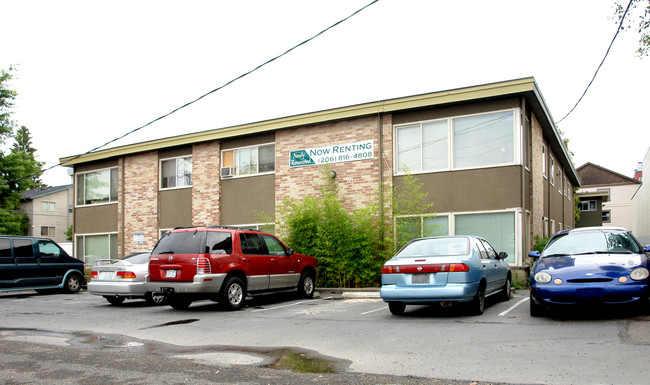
x: 456, y: 143
x: 48, y: 231
x: 411, y: 227
x: 252, y: 160
x: 96, y: 187
x: 544, y: 171
x: 588, y: 205
x: 176, y: 172
x: 559, y: 180
x: 552, y: 171
x: 92, y: 247
x: 48, y: 206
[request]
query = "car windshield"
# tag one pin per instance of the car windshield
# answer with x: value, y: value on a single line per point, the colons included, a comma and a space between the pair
x: 435, y: 247
x: 590, y: 242
x: 184, y: 242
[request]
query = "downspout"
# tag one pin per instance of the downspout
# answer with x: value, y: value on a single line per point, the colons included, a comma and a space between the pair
x: 123, y: 209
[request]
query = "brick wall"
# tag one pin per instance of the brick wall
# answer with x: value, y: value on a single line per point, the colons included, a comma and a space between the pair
x: 538, y: 180
x: 358, y: 180
x: 141, y: 208
x: 206, y: 192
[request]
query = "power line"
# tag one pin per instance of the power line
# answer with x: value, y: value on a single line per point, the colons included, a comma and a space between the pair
x: 204, y: 95
x: 601, y: 63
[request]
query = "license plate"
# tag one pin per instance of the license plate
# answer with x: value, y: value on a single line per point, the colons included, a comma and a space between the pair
x: 106, y: 274
x: 420, y: 278
x: 170, y: 273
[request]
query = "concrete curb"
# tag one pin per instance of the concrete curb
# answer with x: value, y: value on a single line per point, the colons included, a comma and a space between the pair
x: 368, y: 293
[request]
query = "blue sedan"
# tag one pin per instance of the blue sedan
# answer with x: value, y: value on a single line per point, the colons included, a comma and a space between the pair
x: 590, y: 265
x: 445, y: 270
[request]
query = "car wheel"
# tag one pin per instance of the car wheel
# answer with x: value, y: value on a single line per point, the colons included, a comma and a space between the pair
x: 179, y: 302
x: 155, y: 298
x: 397, y: 308
x: 506, y: 294
x: 535, y: 309
x: 72, y: 283
x: 306, y: 285
x: 477, y: 306
x: 233, y: 294
x: 114, y: 300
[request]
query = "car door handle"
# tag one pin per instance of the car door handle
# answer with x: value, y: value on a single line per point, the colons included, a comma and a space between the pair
x: 245, y: 260
x: 274, y: 260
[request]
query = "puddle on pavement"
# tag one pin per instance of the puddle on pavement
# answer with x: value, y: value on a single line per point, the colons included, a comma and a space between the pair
x: 292, y: 359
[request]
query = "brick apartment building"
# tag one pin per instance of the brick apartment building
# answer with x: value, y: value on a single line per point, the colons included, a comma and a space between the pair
x: 489, y: 156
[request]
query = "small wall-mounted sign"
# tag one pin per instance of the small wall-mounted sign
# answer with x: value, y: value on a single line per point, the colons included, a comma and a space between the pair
x: 332, y: 154
x: 138, y: 238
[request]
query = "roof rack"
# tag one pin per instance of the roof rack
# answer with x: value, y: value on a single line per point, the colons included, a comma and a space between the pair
x: 218, y: 227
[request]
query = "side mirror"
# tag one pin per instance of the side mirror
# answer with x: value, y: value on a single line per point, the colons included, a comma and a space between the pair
x: 290, y: 252
x: 502, y: 255
x: 534, y: 254
x: 647, y: 248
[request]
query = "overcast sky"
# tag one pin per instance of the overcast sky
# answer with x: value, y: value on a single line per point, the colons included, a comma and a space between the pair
x: 90, y: 71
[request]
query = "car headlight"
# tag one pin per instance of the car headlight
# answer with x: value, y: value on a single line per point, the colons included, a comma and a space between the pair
x: 543, y: 277
x: 639, y: 274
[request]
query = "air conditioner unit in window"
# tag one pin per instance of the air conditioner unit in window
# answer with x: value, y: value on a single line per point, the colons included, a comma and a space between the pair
x: 226, y: 172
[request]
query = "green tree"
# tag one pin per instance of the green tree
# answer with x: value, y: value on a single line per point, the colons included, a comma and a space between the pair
x: 637, y: 17
x: 19, y: 170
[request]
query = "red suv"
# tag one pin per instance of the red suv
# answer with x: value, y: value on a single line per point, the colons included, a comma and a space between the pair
x: 223, y: 264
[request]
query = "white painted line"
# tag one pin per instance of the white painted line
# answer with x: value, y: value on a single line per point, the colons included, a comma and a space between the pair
x: 280, y: 307
x: 513, y: 306
x: 372, y: 311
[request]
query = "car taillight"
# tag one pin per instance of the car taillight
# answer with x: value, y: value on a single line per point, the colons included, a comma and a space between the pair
x: 428, y: 268
x: 203, y: 266
x: 125, y: 274
x: 93, y: 274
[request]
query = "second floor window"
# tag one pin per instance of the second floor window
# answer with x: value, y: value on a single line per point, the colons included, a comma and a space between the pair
x: 97, y: 187
x: 457, y: 143
x: 249, y: 160
x: 48, y: 206
x: 176, y: 172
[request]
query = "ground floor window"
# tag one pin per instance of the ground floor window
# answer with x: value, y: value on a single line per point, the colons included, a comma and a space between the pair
x: 499, y: 228
x: 92, y: 247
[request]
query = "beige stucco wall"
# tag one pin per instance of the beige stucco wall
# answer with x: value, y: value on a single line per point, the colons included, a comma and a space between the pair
x: 641, y: 206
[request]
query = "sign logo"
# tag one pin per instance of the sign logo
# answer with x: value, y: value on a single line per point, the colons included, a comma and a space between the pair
x: 300, y: 158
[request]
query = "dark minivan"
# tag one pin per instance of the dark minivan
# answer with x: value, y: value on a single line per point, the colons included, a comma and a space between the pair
x: 28, y: 263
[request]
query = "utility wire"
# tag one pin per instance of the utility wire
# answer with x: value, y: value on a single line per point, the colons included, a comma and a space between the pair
x: 601, y: 63
x: 204, y: 95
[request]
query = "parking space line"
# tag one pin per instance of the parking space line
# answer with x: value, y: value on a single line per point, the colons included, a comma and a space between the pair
x: 512, y: 307
x: 372, y: 311
x: 279, y: 307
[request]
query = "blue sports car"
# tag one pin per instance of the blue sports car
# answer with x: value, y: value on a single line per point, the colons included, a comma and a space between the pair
x: 589, y: 265
x: 445, y: 270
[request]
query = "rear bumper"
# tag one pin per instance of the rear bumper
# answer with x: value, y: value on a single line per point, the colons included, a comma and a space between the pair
x: 464, y: 292
x: 202, y: 284
x: 122, y: 289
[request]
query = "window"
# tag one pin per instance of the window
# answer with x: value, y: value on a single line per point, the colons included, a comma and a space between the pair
x: 97, y: 187
x: 607, y: 216
x: 48, y: 249
x: 478, y: 141
x: 545, y: 227
x: 552, y: 171
x: 219, y: 242
x: 176, y: 172
x: 250, y: 160
x: 5, y: 248
x: 498, y: 228
x: 48, y: 206
x: 273, y: 246
x: 408, y: 228
x: 423, y: 146
x: 96, y: 246
x: 559, y: 180
x: 588, y: 205
x: 525, y: 129
x: 47, y: 231
x: 544, y: 171
x: 483, y: 140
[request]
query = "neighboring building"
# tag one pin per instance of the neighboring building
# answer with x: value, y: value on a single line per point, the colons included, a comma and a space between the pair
x: 489, y: 156
x: 614, y: 190
x: 641, y: 207
x: 638, y: 172
x: 49, y: 210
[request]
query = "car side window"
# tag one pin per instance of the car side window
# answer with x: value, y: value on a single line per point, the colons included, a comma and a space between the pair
x: 251, y: 244
x: 5, y: 248
x: 219, y: 242
x: 481, y: 249
x: 23, y: 248
x: 273, y: 245
x: 48, y: 249
x: 490, y: 250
